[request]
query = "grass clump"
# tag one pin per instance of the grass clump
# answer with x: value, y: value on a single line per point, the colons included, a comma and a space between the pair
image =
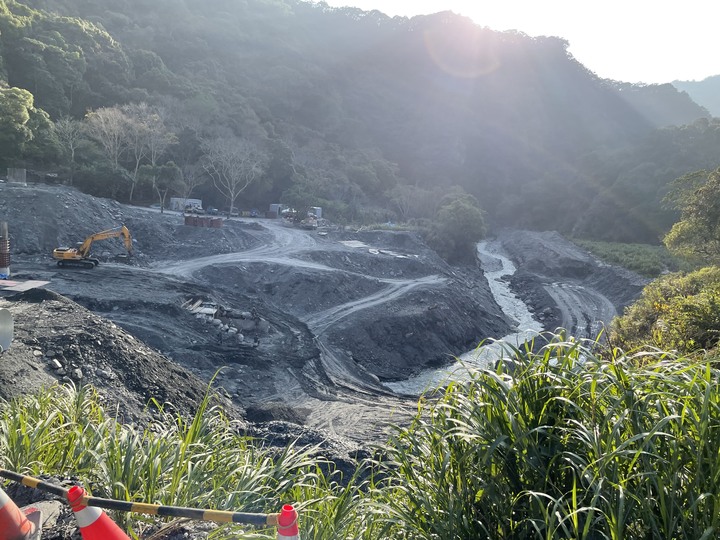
x: 645, y: 259
x: 566, y: 444
x: 200, y: 462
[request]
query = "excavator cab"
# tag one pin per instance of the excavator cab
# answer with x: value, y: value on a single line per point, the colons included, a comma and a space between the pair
x: 79, y: 257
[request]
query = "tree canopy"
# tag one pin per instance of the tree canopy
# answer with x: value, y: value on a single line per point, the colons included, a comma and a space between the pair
x: 697, y: 235
x: 459, y: 224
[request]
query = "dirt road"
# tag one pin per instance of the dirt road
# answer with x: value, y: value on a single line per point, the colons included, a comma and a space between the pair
x: 564, y: 285
x: 319, y: 322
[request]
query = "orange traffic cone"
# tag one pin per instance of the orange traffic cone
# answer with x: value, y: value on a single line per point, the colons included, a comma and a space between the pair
x: 14, y: 525
x: 287, y: 528
x: 94, y: 523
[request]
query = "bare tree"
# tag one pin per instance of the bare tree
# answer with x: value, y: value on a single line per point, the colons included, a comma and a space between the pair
x: 70, y: 133
x: 158, y: 139
x: 233, y: 164
x: 191, y: 176
x: 165, y: 178
x: 405, y: 199
x: 135, y: 130
x: 108, y: 127
x: 137, y: 134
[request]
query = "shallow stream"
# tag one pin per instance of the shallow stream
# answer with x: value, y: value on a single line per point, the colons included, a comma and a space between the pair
x: 496, y: 267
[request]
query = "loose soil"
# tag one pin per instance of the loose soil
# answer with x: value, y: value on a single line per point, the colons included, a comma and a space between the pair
x: 325, y: 316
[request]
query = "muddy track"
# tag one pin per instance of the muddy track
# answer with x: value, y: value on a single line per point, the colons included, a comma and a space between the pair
x: 335, y: 365
x: 585, y: 311
x: 321, y: 321
x: 561, y: 280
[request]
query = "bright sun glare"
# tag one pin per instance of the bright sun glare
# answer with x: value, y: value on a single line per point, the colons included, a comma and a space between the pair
x: 650, y: 41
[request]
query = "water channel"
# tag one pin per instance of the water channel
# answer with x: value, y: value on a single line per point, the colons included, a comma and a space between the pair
x: 495, y: 265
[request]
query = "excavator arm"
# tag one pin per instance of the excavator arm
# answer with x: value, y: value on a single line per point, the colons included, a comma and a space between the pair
x: 84, y: 249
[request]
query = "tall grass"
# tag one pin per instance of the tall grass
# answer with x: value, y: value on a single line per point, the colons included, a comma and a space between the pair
x: 570, y: 444
x: 567, y: 446
x: 201, y: 462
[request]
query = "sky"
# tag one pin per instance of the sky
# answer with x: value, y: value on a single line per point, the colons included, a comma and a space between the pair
x: 638, y: 41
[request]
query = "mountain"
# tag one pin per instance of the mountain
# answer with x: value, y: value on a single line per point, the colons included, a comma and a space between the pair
x: 705, y: 92
x: 350, y: 110
x: 662, y: 104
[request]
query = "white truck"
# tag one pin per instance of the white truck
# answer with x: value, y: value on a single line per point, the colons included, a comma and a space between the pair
x: 180, y: 204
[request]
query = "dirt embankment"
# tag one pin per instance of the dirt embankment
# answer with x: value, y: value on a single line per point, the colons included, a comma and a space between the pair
x: 565, y: 285
x: 323, y: 318
x: 58, y: 340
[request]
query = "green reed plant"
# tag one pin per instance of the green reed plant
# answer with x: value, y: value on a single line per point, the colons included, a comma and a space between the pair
x: 572, y: 441
x: 199, y: 462
x: 567, y: 445
x: 57, y: 428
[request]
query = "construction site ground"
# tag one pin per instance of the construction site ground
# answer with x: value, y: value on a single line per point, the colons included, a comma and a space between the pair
x: 326, y: 316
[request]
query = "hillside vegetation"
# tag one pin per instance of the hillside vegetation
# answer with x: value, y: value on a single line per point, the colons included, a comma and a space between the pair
x: 645, y: 259
x: 370, y: 117
x: 573, y: 444
x: 680, y: 311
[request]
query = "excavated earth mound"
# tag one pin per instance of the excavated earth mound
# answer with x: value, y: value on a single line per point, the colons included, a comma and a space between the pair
x: 57, y: 340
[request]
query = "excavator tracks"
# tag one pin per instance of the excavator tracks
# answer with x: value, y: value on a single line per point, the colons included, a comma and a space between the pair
x: 85, y: 263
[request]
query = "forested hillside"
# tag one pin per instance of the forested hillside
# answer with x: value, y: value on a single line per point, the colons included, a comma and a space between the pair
x: 371, y: 117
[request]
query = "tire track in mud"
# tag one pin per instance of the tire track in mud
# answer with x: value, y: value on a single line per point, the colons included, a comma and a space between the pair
x: 345, y: 398
x: 322, y: 320
x: 584, y: 311
x: 285, y: 242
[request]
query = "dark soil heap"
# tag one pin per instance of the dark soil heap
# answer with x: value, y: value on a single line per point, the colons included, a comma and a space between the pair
x: 57, y: 340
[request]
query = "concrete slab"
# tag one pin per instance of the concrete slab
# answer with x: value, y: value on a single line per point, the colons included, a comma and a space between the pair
x: 20, y: 286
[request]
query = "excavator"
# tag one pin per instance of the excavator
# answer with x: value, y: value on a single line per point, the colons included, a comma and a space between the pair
x: 79, y: 257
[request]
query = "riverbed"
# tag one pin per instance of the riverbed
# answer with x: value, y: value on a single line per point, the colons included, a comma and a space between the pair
x: 497, y: 267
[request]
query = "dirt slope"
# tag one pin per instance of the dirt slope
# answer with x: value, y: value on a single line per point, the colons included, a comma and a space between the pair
x: 59, y: 340
x: 336, y: 314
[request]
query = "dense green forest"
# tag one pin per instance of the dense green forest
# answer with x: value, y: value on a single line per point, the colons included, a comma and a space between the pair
x: 245, y: 103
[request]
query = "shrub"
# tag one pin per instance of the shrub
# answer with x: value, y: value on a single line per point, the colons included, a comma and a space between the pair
x: 457, y: 227
x: 677, y: 311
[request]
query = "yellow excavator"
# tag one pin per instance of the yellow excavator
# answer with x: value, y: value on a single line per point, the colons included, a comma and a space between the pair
x: 79, y: 257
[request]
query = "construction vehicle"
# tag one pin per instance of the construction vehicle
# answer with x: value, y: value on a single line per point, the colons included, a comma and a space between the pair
x: 79, y: 257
